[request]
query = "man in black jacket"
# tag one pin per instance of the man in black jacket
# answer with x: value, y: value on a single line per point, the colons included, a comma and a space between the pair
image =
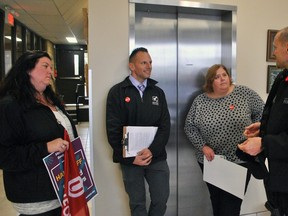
x: 127, y: 105
x: 269, y: 139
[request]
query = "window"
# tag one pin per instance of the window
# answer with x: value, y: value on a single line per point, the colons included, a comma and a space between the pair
x: 7, y: 47
x: 19, y: 42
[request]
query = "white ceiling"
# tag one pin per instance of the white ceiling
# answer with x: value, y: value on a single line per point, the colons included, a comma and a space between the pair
x: 51, y: 19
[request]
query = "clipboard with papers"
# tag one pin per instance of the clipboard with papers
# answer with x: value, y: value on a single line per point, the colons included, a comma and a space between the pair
x: 136, y: 138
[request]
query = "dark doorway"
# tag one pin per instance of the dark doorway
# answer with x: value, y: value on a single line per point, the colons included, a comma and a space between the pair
x: 70, y: 77
x: 70, y: 70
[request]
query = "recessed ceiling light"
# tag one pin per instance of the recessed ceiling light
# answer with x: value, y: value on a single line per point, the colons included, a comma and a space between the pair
x: 71, y: 39
x: 17, y: 39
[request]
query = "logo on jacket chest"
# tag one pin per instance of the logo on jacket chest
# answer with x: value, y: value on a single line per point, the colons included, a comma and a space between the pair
x: 155, y: 100
x: 285, y: 101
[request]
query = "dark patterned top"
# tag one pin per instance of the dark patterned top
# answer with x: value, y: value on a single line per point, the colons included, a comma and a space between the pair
x: 219, y: 123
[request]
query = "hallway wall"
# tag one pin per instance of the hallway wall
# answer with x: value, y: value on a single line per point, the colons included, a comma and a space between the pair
x: 108, y: 56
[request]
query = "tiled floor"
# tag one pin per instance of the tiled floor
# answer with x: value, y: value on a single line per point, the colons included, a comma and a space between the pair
x: 6, y: 208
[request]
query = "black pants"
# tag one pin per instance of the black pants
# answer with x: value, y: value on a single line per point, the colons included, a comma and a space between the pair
x: 54, y: 212
x: 224, y: 203
x: 280, y: 201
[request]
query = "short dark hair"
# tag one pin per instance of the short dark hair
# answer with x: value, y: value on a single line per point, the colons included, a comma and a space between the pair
x: 210, y: 76
x: 135, y: 51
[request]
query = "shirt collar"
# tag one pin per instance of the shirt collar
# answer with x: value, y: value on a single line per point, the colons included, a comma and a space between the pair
x: 136, y: 82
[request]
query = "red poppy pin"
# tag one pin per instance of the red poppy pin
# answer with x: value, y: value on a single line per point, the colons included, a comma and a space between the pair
x: 231, y: 107
x: 286, y: 79
x: 127, y: 99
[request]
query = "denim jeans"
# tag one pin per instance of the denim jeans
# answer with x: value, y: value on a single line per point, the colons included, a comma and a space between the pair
x: 157, y: 178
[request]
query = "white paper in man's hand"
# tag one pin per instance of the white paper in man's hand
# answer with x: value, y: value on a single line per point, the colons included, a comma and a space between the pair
x: 138, y: 138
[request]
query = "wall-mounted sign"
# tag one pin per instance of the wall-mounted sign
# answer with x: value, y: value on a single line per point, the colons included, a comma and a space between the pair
x: 9, y: 19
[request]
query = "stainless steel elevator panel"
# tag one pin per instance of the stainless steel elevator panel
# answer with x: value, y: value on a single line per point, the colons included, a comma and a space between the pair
x: 183, y: 43
x: 199, y: 46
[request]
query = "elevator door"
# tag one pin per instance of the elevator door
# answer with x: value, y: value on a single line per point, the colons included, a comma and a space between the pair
x: 182, y: 47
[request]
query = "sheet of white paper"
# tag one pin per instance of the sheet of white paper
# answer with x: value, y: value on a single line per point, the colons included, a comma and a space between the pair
x: 138, y: 139
x: 226, y: 175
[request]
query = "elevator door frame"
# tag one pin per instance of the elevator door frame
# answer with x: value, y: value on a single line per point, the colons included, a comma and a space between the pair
x: 194, y: 8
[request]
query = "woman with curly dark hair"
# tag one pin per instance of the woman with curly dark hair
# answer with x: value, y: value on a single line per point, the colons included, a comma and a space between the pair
x: 32, y: 119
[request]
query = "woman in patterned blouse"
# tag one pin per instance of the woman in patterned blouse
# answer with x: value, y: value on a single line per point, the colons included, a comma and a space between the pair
x: 215, y: 124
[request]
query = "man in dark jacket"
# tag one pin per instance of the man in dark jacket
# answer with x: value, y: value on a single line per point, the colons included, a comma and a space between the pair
x: 271, y: 141
x: 127, y: 105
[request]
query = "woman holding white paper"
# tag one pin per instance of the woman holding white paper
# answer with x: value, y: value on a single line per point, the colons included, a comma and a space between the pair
x: 215, y: 125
